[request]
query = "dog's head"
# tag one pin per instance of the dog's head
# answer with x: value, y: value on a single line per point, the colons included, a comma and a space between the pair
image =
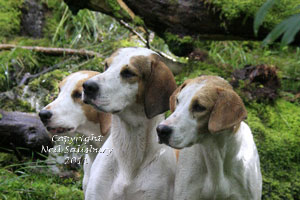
x: 68, y: 112
x: 133, y: 76
x: 202, y: 107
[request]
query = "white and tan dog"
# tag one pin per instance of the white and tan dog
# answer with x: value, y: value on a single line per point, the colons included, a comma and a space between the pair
x: 68, y: 113
x: 219, y: 159
x: 135, y: 87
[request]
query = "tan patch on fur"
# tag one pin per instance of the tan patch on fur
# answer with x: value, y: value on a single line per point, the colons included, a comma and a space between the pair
x: 177, y: 154
x: 156, y: 83
x: 48, y: 107
x: 92, y: 114
x: 143, y: 65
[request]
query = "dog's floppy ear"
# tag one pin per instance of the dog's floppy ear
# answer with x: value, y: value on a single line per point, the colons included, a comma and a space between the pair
x: 228, y: 111
x: 105, y: 122
x: 158, y: 88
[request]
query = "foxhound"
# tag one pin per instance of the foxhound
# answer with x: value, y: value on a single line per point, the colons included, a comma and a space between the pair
x: 219, y: 159
x: 68, y: 113
x: 135, y: 87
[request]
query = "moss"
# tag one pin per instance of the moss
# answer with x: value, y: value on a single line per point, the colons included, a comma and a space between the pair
x: 9, y: 18
x: 233, y: 9
x: 276, y: 132
x: 195, y: 69
x: 49, y: 81
x: 1, y: 116
x: 117, y: 10
x: 16, y: 105
x: 95, y: 64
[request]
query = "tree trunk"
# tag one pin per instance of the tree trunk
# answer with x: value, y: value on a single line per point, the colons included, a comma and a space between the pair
x: 23, y: 133
x: 193, y: 18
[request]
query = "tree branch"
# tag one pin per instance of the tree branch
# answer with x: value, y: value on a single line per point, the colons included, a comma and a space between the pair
x: 53, y: 51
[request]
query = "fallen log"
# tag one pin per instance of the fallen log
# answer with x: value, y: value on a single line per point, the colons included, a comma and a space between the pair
x: 24, y: 134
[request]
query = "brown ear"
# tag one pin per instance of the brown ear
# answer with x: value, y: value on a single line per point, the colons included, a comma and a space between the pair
x: 228, y: 111
x: 159, y: 88
x: 105, y: 122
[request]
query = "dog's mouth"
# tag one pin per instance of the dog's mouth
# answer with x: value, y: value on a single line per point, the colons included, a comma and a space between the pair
x: 59, y: 129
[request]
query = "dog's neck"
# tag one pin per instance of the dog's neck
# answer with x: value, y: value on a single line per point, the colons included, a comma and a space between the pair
x: 89, y: 129
x: 219, y: 152
x: 134, y: 139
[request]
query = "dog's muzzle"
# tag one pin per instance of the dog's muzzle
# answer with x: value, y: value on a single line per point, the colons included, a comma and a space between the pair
x: 164, y: 133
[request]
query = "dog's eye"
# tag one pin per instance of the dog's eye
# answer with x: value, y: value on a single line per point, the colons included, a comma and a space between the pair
x: 198, y: 108
x: 127, y: 73
x: 76, y: 94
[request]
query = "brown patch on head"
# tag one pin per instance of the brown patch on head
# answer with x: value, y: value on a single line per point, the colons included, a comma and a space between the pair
x: 104, y: 119
x: 77, y: 91
x: 215, y: 106
x: 173, y: 97
x: 143, y: 65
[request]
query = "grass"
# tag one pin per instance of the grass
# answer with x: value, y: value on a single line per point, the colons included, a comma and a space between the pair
x: 30, y: 180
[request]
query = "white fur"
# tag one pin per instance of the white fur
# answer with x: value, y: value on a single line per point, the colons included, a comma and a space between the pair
x: 68, y: 114
x: 221, y: 166
x: 139, y: 167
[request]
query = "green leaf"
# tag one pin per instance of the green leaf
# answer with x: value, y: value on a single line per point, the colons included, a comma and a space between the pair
x: 261, y: 13
x: 293, y: 28
x: 288, y: 27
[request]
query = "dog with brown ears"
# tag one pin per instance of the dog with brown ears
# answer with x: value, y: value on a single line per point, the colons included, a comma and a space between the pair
x: 219, y: 159
x: 135, y: 88
x: 68, y: 114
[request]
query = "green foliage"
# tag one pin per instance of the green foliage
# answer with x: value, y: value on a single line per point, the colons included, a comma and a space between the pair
x: 195, y: 69
x: 289, y: 27
x: 232, y: 9
x: 9, y: 18
x: 261, y: 13
x: 12, y: 63
x: 19, y: 181
x: 179, y: 45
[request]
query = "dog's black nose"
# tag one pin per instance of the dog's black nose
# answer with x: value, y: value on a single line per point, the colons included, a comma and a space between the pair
x: 45, y: 115
x: 164, y: 132
x: 90, y: 88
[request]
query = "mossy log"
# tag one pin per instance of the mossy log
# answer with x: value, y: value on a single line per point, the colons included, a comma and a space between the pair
x: 175, y: 19
x: 23, y: 134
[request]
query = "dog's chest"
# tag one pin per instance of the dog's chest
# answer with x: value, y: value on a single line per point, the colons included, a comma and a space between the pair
x: 195, y: 180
